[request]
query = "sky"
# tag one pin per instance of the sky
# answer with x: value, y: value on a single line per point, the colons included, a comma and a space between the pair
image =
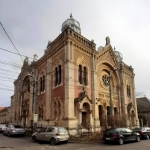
x: 30, y: 24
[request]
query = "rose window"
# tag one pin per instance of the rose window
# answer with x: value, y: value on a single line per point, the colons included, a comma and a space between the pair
x: 105, y: 80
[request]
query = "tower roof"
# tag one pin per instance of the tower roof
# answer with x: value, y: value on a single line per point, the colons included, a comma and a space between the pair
x: 72, y: 23
x: 118, y: 55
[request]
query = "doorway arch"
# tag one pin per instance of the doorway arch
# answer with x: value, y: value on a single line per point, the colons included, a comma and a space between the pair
x: 86, y: 115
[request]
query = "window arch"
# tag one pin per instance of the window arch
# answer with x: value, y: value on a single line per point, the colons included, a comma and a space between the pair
x: 57, y: 110
x: 128, y: 91
x: 82, y: 74
x: 57, y: 73
x: 82, y: 71
x: 41, y: 112
x: 42, y: 82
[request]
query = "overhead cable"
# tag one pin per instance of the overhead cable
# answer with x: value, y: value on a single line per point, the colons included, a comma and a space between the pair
x: 10, y: 40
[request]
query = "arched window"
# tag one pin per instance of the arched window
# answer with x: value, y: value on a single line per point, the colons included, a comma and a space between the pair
x: 128, y: 91
x: 41, y: 112
x: 28, y: 86
x: 43, y: 85
x: 40, y: 84
x: 55, y: 110
x: 58, y: 75
x: 15, y: 116
x: 85, y: 75
x: 82, y: 75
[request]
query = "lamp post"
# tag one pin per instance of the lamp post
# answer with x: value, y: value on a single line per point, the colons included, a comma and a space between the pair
x: 34, y: 103
x: 111, y: 105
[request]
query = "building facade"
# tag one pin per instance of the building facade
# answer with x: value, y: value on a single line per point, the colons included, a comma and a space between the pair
x: 143, y: 107
x: 75, y: 85
x: 5, y: 115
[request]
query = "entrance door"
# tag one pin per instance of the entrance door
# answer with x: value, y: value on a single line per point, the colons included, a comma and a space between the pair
x: 101, y: 115
x: 84, y: 123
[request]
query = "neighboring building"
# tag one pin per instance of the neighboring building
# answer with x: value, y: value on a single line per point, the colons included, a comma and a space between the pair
x: 5, y: 115
x: 72, y: 84
x: 1, y: 108
x: 143, y: 106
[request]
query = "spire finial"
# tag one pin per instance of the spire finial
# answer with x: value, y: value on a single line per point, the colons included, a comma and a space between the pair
x: 71, y: 15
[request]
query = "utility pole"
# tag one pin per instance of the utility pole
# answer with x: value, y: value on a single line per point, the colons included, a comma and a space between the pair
x: 110, y: 94
x: 35, y: 115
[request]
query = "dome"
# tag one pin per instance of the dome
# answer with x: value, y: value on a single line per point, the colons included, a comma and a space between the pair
x: 100, y: 48
x: 118, y: 55
x: 72, y: 23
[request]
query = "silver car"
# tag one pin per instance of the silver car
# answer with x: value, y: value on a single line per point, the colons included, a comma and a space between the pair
x: 14, y: 130
x: 3, y: 127
x: 52, y: 134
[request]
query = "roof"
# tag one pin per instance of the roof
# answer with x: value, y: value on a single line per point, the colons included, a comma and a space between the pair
x: 1, y: 108
x: 143, y: 104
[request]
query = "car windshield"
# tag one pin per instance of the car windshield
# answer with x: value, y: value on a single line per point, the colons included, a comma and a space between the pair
x: 4, y: 125
x: 17, y: 126
x: 110, y: 131
x: 138, y: 129
x: 60, y: 130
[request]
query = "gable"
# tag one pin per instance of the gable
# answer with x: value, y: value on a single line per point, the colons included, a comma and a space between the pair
x: 107, y: 55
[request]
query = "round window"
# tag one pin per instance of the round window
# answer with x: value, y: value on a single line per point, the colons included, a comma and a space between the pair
x: 105, y: 80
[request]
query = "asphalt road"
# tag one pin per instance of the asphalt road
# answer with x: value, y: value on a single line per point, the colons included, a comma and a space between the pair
x: 25, y: 143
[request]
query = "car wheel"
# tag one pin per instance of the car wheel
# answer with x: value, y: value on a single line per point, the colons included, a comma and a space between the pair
x: 34, y: 139
x: 138, y: 139
x: 53, y: 141
x: 66, y: 142
x: 147, y: 137
x: 106, y: 141
x: 8, y: 134
x: 121, y: 141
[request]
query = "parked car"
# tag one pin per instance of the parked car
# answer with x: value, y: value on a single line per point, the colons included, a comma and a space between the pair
x: 3, y: 127
x: 144, y: 132
x: 14, y: 130
x: 52, y: 134
x: 120, y: 135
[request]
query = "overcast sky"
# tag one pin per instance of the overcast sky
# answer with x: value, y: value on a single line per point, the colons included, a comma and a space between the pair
x: 32, y: 23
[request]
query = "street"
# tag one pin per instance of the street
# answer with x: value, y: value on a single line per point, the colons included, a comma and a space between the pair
x: 25, y: 143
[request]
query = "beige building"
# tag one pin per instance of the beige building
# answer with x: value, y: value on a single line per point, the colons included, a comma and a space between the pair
x: 5, y: 115
x: 75, y: 85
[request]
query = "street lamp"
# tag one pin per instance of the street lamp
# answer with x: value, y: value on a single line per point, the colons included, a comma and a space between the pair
x: 111, y: 105
x: 35, y: 116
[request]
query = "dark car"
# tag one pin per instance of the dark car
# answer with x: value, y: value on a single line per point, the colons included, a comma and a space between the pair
x: 120, y: 135
x: 144, y: 132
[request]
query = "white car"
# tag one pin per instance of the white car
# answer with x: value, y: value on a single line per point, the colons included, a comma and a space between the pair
x: 52, y: 134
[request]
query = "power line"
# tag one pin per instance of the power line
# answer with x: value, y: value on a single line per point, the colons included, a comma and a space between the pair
x: 10, y: 40
x: 9, y: 63
x: 4, y: 103
x: 9, y: 70
x: 6, y: 85
x: 8, y: 78
x: 14, y: 53
x: 8, y: 73
x: 6, y: 89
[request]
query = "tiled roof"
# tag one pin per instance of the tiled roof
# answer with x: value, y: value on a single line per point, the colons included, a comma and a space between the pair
x: 1, y: 108
x: 143, y: 104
